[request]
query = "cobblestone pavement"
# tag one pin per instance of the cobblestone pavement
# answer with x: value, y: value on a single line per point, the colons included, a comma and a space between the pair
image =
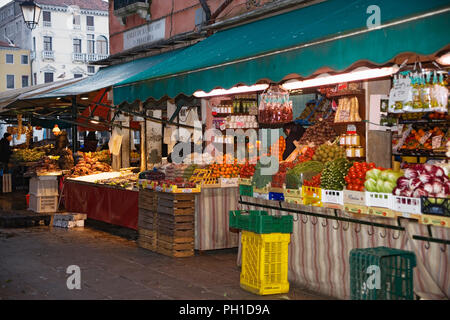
x: 33, y: 263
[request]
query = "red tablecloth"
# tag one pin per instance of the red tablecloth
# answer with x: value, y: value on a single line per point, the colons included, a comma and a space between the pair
x: 110, y: 205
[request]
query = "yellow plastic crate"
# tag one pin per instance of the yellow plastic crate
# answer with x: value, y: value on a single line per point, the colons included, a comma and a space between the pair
x: 265, y: 263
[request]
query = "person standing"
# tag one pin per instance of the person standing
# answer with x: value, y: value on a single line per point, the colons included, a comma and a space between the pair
x: 293, y: 134
x: 5, y: 151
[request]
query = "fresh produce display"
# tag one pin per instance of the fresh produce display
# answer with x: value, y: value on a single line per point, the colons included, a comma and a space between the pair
x: 275, y: 107
x: 152, y: 175
x: 333, y: 175
x: 306, y: 154
x: 44, y: 166
x: 327, y: 152
x: 381, y: 180
x: 178, y: 182
x: 27, y: 155
x: 102, y: 156
x: 224, y: 170
x: 319, y: 133
x: 281, y: 146
x: 356, y: 176
x: 126, y: 182
x: 247, y: 171
x: 422, y: 139
x: 189, y: 171
x: 303, y: 171
x: 313, y: 182
x: 89, y: 165
x: 423, y: 180
x: 260, y: 181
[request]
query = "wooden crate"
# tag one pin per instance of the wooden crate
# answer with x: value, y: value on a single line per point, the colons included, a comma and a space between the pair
x: 148, y: 199
x: 147, y: 239
x: 175, y: 249
x: 147, y: 219
x: 176, y: 204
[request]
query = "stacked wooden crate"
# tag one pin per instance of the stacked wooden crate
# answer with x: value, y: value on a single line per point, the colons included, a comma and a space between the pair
x: 148, y: 219
x: 176, y: 213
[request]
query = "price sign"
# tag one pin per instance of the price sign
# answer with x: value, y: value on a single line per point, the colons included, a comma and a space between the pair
x: 436, y: 142
x: 425, y: 138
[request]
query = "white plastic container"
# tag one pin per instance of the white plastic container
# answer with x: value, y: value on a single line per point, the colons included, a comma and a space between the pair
x: 44, y: 186
x: 406, y: 204
x: 381, y: 200
x: 43, y: 204
x: 333, y: 196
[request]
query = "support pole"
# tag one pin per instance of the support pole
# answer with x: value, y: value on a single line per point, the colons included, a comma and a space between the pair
x: 74, y: 126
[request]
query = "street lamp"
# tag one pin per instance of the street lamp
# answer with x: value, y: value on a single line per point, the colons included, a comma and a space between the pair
x: 31, y: 13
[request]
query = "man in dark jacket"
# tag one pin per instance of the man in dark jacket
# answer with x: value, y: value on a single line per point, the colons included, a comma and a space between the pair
x: 293, y: 132
x: 5, y: 150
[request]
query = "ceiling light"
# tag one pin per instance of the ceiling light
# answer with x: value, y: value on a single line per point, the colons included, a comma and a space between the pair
x: 84, y: 98
x: 234, y: 90
x: 339, y: 78
x: 95, y: 120
x: 444, y: 59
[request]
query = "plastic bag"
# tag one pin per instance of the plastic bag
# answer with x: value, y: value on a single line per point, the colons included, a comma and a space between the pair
x: 115, y: 142
x: 401, y: 96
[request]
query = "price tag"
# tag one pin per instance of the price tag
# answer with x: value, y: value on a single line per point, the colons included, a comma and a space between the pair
x: 425, y: 138
x: 436, y: 142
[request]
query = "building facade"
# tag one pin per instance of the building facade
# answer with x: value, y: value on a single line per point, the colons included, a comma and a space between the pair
x: 69, y: 37
x: 135, y: 23
x: 15, y: 71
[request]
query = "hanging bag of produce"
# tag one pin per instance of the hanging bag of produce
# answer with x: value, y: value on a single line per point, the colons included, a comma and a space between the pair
x: 401, y: 95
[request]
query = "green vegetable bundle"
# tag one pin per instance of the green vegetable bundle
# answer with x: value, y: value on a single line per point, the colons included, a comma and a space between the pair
x: 305, y: 170
x: 189, y: 171
x: 333, y: 175
x: 259, y: 181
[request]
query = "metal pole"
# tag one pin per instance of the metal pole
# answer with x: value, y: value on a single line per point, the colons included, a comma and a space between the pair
x: 74, y: 127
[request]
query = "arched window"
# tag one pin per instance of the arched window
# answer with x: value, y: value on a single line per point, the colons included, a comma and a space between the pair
x: 102, y: 45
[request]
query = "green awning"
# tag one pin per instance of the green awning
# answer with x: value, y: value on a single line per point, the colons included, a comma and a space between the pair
x: 298, y: 42
x: 109, y: 76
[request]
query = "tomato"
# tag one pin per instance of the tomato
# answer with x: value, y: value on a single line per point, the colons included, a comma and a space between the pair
x: 361, y: 188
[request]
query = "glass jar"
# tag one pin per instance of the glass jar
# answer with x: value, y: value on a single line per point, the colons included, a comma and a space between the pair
x: 359, y: 152
x: 342, y: 141
x: 356, y: 139
x: 348, y: 139
x: 350, y: 151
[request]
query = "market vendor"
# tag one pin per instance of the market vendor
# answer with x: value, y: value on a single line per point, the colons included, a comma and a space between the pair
x: 90, y: 143
x: 5, y: 151
x: 61, y: 139
x: 293, y: 134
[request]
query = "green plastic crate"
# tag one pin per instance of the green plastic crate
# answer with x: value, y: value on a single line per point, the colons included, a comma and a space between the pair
x: 245, y: 190
x: 381, y: 273
x: 260, y: 222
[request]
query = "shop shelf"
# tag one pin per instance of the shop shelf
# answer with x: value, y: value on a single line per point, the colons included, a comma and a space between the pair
x: 43, y: 204
x: 381, y: 273
x: 333, y: 196
x: 260, y: 222
x: 44, y: 186
x: 435, y: 206
x: 406, y: 204
x: 246, y: 190
x: 265, y: 263
x: 258, y: 195
x: 376, y: 199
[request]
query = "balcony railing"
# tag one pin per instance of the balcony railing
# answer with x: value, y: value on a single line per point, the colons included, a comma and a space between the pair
x: 91, y: 57
x: 90, y: 28
x: 48, y: 55
x: 123, y: 8
x: 47, y: 23
x: 77, y: 27
x: 78, y: 57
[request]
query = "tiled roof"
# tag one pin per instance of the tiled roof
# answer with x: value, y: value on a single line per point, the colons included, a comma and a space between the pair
x: 6, y: 44
x: 83, y: 4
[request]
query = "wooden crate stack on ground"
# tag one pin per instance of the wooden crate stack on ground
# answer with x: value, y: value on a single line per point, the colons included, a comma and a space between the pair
x: 176, y: 213
x: 148, y: 219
